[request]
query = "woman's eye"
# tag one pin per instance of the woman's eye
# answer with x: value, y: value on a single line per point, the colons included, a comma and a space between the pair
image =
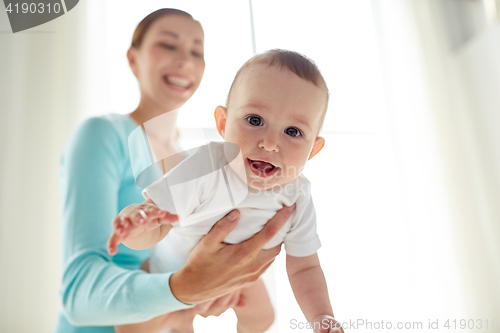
x: 254, y: 120
x: 197, y: 54
x: 292, y: 131
x: 167, y: 46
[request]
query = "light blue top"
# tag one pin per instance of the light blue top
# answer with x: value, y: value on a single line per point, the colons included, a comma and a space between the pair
x: 99, y: 291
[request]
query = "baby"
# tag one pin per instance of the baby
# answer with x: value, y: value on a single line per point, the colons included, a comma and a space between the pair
x: 274, y: 111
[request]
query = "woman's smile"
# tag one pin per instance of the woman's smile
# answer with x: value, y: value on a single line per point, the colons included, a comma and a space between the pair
x: 178, y: 82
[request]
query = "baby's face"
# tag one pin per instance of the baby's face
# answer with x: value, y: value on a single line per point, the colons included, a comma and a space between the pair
x: 274, y: 117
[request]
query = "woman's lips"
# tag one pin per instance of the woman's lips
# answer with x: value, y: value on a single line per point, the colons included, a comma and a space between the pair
x: 177, y: 83
x: 265, y: 172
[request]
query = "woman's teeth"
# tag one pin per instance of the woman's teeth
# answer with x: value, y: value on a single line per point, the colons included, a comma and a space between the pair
x: 177, y: 81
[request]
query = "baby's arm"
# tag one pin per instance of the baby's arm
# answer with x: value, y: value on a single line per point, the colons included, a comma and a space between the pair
x: 309, y: 287
x: 140, y: 226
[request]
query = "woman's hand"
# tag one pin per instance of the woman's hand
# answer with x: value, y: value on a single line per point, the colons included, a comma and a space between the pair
x: 182, y: 321
x: 218, y: 306
x: 215, y: 268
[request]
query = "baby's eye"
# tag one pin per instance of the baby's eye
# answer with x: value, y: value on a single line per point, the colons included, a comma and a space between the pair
x: 255, y: 120
x: 292, y: 131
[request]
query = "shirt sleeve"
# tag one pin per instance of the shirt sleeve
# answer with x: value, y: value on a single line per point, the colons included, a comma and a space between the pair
x: 95, y: 291
x: 302, y: 239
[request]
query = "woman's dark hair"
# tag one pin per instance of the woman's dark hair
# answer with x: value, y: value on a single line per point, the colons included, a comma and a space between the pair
x: 146, y: 22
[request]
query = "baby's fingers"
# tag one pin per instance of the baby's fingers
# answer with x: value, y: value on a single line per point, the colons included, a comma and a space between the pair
x: 162, y: 221
x: 113, y: 243
x: 117, y: 221
x: 146, y: 214
x: 121, y: 224
x: 168, y: 218
x: 153, y: 212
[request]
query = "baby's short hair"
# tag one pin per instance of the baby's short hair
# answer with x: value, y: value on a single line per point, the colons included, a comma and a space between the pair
x: 295, y: 62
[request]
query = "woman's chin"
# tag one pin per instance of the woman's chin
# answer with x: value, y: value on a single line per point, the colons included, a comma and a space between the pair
x: 173, y: 101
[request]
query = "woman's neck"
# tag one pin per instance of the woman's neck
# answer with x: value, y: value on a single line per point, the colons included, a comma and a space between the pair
x: 160, y: 123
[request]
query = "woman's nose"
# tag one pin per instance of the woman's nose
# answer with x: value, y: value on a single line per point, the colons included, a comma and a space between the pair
x: 183, y: 59
x: 269, y: 144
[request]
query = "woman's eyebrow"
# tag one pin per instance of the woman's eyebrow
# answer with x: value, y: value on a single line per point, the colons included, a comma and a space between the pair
x: 176, y: 36
x: 169, y: 33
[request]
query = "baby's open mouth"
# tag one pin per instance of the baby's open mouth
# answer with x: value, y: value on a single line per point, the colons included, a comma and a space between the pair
x: 262, y: 168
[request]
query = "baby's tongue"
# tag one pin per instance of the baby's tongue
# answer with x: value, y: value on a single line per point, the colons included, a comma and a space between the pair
x: 263, y: 166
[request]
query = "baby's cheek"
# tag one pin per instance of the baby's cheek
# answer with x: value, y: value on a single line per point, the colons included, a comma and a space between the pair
x: 235, y: 134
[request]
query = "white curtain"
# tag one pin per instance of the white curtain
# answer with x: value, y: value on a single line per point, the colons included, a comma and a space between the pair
x: 444, y: 105
x: 43, y: 96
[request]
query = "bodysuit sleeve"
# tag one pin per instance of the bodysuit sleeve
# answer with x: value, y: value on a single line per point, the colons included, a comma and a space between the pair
x: 96, y: 291
x: 196, y: 189
x: 302, y: 239
x: 176, y: 192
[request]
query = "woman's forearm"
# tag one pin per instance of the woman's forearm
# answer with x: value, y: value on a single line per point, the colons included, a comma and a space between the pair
x: 96, y: 292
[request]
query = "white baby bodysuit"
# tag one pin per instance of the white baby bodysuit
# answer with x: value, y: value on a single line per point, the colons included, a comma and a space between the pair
x: 204, y: 187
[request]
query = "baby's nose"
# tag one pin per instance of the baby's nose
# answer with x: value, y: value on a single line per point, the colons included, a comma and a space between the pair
x: 269, y: 145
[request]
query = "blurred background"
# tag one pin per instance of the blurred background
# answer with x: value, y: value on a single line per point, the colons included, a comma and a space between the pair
x: 407, y: 188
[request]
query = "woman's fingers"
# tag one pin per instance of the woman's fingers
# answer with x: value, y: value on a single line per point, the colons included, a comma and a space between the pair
x: 203, y: 308
x: 265, y: 257
x: 214, y: 268
x: 236, y: 300
x: 254, y: 277
x: 220, y: 305
x: 271, y: 228
x: 221, y: 229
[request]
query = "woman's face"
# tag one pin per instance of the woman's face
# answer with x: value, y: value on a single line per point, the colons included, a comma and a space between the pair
x: 169, y: 63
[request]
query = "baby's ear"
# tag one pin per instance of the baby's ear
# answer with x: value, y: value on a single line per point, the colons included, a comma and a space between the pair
x: 220, y: 119
x: 319, y: 143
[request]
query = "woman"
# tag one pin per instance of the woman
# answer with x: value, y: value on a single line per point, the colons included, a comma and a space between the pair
x: 97, y: 182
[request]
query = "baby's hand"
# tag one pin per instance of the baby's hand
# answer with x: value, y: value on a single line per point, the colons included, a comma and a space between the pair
x: 326, y: 324
x: 135, y: 222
